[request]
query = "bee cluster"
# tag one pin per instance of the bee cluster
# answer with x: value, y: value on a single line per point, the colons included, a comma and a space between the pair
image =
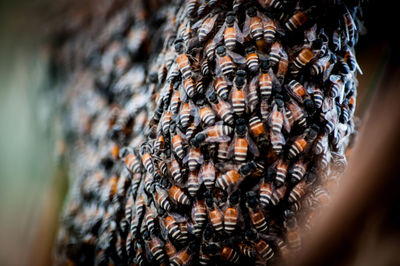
x: 214, y: 151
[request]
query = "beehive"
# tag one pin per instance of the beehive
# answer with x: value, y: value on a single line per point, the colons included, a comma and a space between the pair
x: 207, y: 132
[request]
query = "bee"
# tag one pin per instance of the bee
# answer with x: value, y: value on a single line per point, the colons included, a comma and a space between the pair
x: 161, y: 198
x: 177, y: 146
x: 170, y: 249
x: 247, y: 250
x: 318, y: 97
x: 277, y: 141
x: 221, y: 87
x: 252, y: 59
x: 238, y: 99
x: 297, y: 192
x: 230, y: 32
x: 281, y: 171
x: 276, y: 4
x: 296, y: 21
x: 293, y: 237
x: 183, y: 62
x: 175, y: 170
x: 206, y: 114
x: 193, y: 183
x: 350, y: 59
x: 269, y: 195
x: 178, y: 195
x: 216, y: 133
x: 223, y: 151
x: 194, y: 158
x: 269, y: 30
x: 224, y: 109
x: 132, y: 163
x: 207, y: 173
x: 166, y: 122
x: 215, y: 215
x: 275, y: 53
x: 190, y: 131
x: 228, y: 179
x: 181, y: 258
x: 210, y: 50
x: 150, y: 218
x: 276, y: 119
x: 225, y: 63
x: 229, y: 254
x: 184, y: 115
x: 297, y: 113
x: 171, y: 225
x: 231, y: 213
x: 298, y: 171
x: 302, y: 59
x: 257, y: 217
x: 160, y: 144
x: 350, y: 28
x: 147, y: 162
x: 253, y: 24
x: 190, y: 7
x: 207, y: 25
x: 189, y: 87
x: 199, y: 216
x: 240, y: 144
x: 252, y: 95
x: 156, y: 249
x: 265, y: 80
x: 261, y: 246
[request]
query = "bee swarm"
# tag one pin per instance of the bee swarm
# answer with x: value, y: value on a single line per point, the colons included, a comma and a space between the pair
x: 206, y: 132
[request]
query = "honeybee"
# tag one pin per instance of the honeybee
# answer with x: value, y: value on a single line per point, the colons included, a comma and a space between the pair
x: 182, y: 61
x: 265, y: 80
x: 257, y: 129
x: 194, y: 158
x: 210, y: 50
x: 182, y: 258
x: 205, y: 26
x: 336, y: 40
x: 225, y: 63
x: 161, y: 198
x: 193, y: 183
x: 277, y: 141
x: 231, y: 213
x: 252, y: 95
x: 296, y: 21
x: 257, y: 217
x: 270, y: 30
x: 175, y: 170
x: 184, y: 115
x: 253, y: 24
x: 247, y: 250
x: 216, y: 133
x: 177, y: 146
x: 302, y: 59
x: 215, y: 215
x: 261, y: 246
x: 221, y: 87
x: 351, y: 61
x: 350, y: 28
x: 190, y: 7
x: 224, y: 109
x: 207, y: 173
x: 277, y: 119
x: 171, y: 225
x: 298, y: 171
x: 252, y: 59
x: 229, y: 254
x: 230, y: 32
x: 178, y: 195
x: 205, y: 113
x: 150, y: 217
x: 275, y: 53
x: 298, y: 192
x: 227, y: 179
x: 281, y: 171
x: 166, y: 122
x: 155, y: 247
x: 269, y: 195
x: 132, y: 163
x: 276, y: 4
x: 297, y: 114
x: 223, y: 151
x: 238, y: 99
x: 199, y: 216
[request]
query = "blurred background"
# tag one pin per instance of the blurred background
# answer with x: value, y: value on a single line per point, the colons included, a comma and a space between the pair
x: 33, y: 176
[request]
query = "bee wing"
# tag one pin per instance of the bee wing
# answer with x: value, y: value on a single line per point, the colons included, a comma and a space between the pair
x: 246, y: 26
x: 237, y: 58
x: 199, y: 23
x: 253, y: 147
x: 239, y: 34
x: 220, y: 34
x: 311, y: 33
x: 195, y: 113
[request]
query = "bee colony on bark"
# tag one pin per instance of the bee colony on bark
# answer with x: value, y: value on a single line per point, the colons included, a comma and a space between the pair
x: 207, y: 132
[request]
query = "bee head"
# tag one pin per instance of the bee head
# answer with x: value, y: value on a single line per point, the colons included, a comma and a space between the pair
x: 153, y: 77
x: 309, y: 106
x: 251, y: 11
x: 179, y: 45
x: 221, y: 50
x: 264, y: 66
x: 213, y: 98
x: 230, y: 19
